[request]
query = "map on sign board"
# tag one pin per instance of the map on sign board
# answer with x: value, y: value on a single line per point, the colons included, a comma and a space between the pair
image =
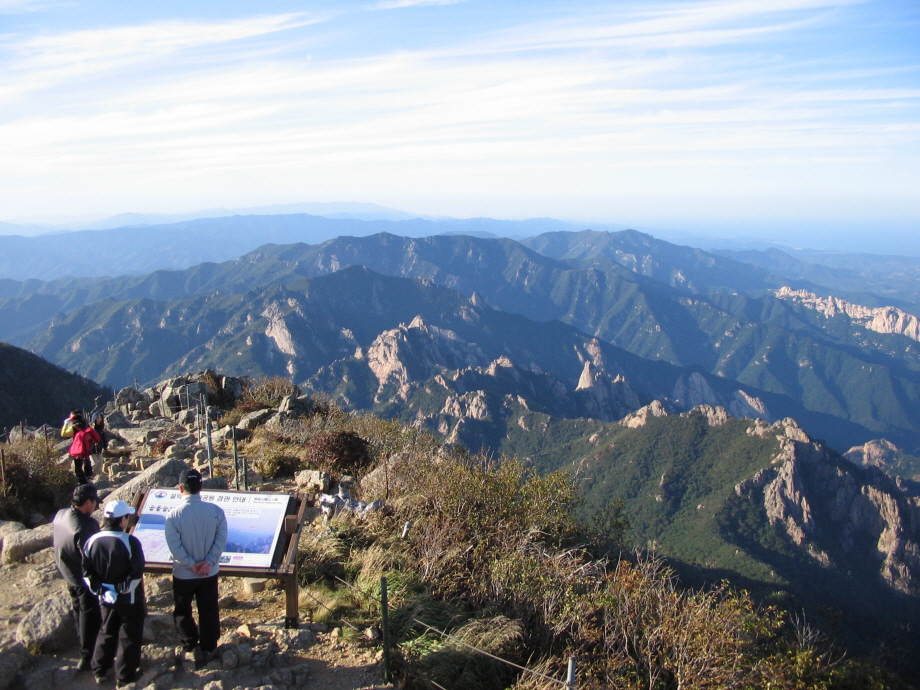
x: 254, y: 522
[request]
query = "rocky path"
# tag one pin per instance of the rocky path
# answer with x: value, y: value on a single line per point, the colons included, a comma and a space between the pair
x: 312, y: 657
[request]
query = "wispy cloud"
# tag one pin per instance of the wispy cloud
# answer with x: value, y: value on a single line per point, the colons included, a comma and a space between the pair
x: 16, y: 6
x: 664, y: 97
x: 397, y: 4
x: 49, y: 59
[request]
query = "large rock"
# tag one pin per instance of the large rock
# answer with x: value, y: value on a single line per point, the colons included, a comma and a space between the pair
x: 139, y: 435
x: 12, y: 658
x: 253, y: 419
x: 315, y: 480
x: 227, y: 433
x: 8, y: 527
x: 117, y: 420
x: 302, y: 404
x: 164, y: 473
x: 49, y: 625
x: 18, y: 545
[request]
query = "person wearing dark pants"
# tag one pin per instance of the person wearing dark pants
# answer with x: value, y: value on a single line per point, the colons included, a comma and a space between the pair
x: 196, y: 532
x: 203, y: 591
x: 71, y: 529
x: 113, y: 568
x: 84, y: 441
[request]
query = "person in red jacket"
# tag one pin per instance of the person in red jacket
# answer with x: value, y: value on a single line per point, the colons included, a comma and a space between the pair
x: 84, y: 438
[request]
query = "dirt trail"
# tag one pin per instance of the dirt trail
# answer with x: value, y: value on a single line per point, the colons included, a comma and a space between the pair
x: 334, y: 663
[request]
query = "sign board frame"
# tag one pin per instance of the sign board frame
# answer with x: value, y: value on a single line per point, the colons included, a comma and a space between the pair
x: 284, y: 558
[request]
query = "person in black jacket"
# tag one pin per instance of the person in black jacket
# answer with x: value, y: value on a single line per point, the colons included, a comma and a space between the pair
x: 113, y: 567
x: 71, y: 528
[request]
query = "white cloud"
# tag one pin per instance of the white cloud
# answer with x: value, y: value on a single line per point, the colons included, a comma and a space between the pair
x: 663, y: 100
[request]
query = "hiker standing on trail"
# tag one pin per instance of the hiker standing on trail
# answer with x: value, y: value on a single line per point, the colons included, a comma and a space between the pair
x: 196, y: 532
x: 85, y: 438
x: 95, y: 455
x: 113, y: 567
x: 71, y: 529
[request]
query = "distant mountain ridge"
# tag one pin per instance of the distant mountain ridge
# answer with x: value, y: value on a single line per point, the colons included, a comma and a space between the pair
x: 140, y: 249
x: 830, y: 366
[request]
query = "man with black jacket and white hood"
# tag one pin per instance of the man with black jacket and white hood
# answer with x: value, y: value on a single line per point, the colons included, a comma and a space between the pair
x: 113, y: 567
x: 71, y: 529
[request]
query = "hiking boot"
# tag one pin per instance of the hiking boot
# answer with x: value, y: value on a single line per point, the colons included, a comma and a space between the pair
x: 201, y: 657
x: 84, y: 664
x: 130, y: 680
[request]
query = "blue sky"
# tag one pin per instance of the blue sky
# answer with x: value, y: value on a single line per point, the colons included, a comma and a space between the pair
x: 734, y: 116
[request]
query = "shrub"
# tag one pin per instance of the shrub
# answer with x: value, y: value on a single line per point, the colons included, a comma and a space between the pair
x: 35, y: 482
x: 273, y: 466
x: 342, y: 452
x: 269, y: 391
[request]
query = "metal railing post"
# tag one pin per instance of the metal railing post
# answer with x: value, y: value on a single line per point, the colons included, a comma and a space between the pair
x: 570, y: 676
x: 207, y: 424
x: 236, y: 459
x: 385, y: 624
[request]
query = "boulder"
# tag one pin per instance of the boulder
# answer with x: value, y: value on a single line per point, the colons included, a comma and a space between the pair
x: 157, y: 423
x: 8, y: 527
x: 177, y: 451
x: 215, y: 484
x: 227, y: 433
x: 164, y: 473
x: 20, y: 544
x: 316, y: 480
x: 138, y: 435
x: 187, y: 418
x: 160, y: 628
x: 299, y: 405
x: 12, y: 658
x: 37, y: 520
x: 253, y: 419
x: 117, y: 420
x: 129, y: 396
x: 232, y: 387
x: 19, y: 433
x: 49, y: 625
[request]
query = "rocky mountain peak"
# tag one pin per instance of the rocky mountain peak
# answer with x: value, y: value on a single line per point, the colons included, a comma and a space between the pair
x: 838, y: 513
x: 641, y: 416
x: 880, y: 319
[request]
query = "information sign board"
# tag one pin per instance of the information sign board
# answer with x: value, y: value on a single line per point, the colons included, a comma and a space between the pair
x: 254, y: 523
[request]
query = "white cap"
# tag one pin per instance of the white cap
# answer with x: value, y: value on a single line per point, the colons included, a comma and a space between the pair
x: 117, y: 509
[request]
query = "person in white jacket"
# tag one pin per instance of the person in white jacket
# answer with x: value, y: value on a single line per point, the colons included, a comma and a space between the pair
x: 196, y: 532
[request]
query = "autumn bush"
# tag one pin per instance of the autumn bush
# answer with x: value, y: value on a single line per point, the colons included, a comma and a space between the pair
x: 268, y: 391
x: 504, y: 559
x: 339, y: 452
x: 34, y: 481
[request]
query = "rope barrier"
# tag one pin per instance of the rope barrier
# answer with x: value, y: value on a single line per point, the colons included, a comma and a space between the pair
x: 563, y: 683
x: 351, y: 586
x: 491, y: 656
x: 330, y: 611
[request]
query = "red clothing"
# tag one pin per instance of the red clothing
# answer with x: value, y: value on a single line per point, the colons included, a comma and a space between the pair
x: 83, y: 440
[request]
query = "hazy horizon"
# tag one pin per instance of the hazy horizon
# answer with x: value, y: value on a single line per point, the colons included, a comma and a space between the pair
x: 783, y: 120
